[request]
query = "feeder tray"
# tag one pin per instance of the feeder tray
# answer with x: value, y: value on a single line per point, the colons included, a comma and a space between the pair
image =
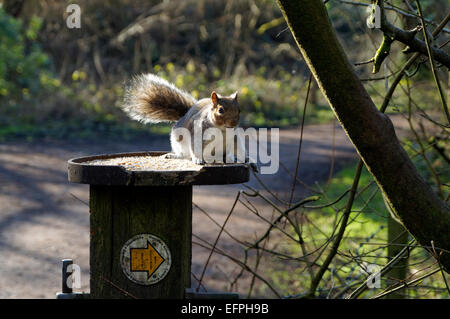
x: 151, y: 169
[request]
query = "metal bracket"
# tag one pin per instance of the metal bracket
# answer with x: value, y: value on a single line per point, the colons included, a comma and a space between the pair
x: 67, y: 292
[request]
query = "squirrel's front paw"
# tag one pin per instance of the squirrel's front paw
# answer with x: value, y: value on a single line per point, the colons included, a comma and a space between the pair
x: 198, y: 161
x: 170, y: 156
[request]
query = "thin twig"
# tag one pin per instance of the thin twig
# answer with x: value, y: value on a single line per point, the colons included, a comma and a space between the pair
x: 433, y: 67
x: 217, y: 240
x: 315, y: 282
x: 300, y: 139
x: 384, y: 270
x: 207, y: 245
x: 405, y: 284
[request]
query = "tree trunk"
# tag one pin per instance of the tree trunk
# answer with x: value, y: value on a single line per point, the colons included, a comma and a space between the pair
x: 421, y: 211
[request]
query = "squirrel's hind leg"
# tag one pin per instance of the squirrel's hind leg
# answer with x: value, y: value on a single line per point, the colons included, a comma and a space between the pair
x: 179, y: 150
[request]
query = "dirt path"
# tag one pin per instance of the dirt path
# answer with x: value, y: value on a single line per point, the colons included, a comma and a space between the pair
x: 43, y: 218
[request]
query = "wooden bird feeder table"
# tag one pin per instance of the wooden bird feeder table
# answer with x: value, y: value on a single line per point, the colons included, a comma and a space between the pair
x: 141, y: 220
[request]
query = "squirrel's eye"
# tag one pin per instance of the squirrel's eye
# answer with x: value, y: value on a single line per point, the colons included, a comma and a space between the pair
x: 221, y: 110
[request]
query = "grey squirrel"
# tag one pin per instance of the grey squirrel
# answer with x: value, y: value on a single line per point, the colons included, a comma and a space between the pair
x: 151, y: 99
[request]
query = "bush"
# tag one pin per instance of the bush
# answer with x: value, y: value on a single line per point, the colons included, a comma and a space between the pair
x: 24, y: 67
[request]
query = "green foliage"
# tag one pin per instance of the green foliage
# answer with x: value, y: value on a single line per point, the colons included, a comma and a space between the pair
x: 270, y: 94
x: 34, y: 102
x: 263, y: 66
x: 24, y: 67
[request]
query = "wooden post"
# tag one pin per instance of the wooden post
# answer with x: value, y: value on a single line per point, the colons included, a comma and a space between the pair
x: 141, y: 225
x: 120, y: 212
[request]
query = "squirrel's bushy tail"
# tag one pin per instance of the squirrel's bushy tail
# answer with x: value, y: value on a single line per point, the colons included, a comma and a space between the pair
x: 151, y: 99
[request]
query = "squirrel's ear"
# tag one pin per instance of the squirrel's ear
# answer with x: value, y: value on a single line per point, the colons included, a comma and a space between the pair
x: 234, y: 95
x: 214, y: 98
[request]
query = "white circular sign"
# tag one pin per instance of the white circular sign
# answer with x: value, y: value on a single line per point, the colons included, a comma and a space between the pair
x: 145, y: 259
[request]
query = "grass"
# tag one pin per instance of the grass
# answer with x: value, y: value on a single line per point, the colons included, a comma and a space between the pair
x: 367, y: 228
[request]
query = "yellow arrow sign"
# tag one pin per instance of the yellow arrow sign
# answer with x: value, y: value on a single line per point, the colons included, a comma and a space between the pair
x: 145, y: 259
